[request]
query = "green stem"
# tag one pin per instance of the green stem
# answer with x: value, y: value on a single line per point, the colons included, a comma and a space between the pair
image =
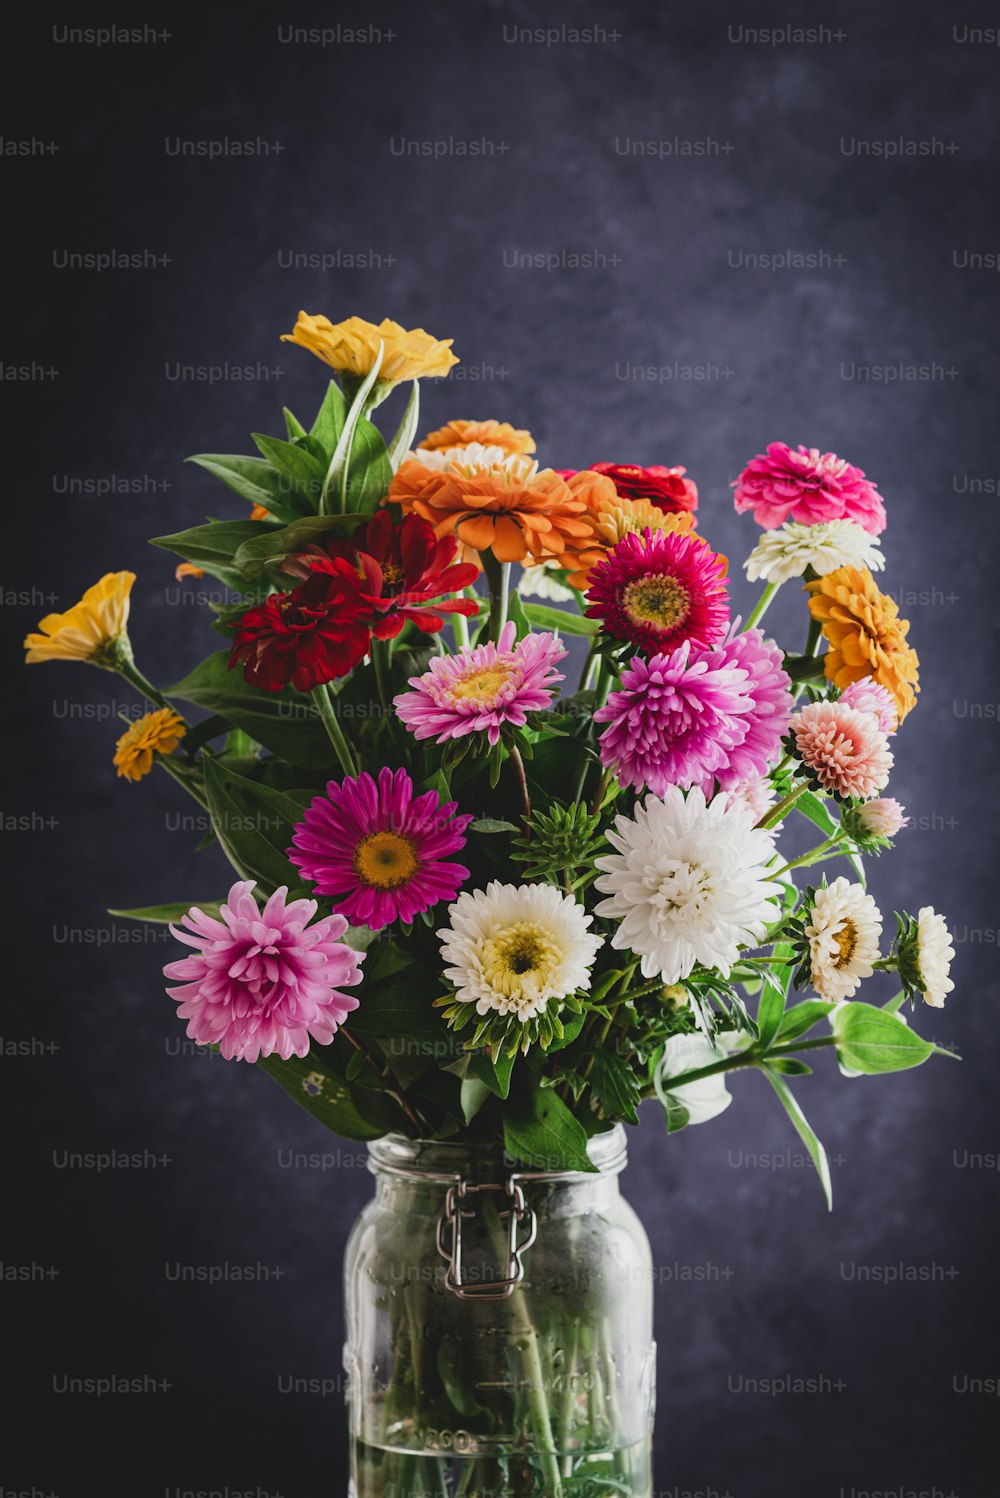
x: 602, y: 791
x: 522, y: 780
x: 460, y: 628
x: 761, y: 606
x: 746, y: 1058
x: 498, y: 577
x: 813, y: 856
x: 771, y: 818
x: 328, y: 712
x: 183, y: 778
x: 128, y: 668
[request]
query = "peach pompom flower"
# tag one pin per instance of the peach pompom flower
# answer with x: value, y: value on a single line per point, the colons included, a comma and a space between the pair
x: 844, y: 751
x: 455, y: 434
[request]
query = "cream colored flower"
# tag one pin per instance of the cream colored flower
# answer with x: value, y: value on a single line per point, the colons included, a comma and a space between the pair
x: 844, y: 933
x: 934, y: 955
x: 786, y: 553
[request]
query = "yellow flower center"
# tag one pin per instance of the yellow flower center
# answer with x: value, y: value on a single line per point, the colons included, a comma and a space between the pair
x: 392, y: 574
x: 846, y: 940
x: 483, y: 684
x: 661, y: 601
x: 386, y: 860
x: 520, y: 960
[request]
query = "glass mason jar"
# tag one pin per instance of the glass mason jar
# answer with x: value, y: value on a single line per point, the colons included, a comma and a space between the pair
x: 499, y: 1328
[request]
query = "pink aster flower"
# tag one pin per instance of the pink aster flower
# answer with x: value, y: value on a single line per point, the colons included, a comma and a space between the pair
x: 696, y: 716
x: 262, y: 982
x: 378, y: 852
x: 484, y: 689
x: 882, y: 818
x: 845, y: 750
x: 659, y: 589
x: 808, y: 486
x: 868, y: 696
x: 757, y: 795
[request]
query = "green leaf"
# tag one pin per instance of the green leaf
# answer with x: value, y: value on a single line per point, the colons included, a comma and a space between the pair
x: 285, y: 722
x: 303, y: 471
x: 370, y: 473
x: 473, y: 1095
x: 330, y: 419
x: 495, y: 1074
x: 801, y: 1017
x: 515, y: 612
x: 213, y: 547
x: 540, y: 1130
x: 335, y: 485
x: 402, y: 441
x: 459, y: 1379
x: 254, y: 826
x: 769, y: 1014
x: 873, y: 1041
x: 293, y: 425
x: 677, y: 1115
x: 400, y: 1011
x: 802, y: 1127
x: 255, y: 480
x: 168, y: 914
x: 492, y: 824
x: 270, y: 547
x: 567, y: 624
x: 330, y: 1098
x: 615, y: 1086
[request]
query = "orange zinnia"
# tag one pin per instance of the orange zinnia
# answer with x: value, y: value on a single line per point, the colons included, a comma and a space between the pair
x: 488, y: 433
x: 865, y: 634
x: 510, y: 509
x: 610, y: 517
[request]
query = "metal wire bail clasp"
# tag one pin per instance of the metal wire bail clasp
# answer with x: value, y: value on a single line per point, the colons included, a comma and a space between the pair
x: 449, y: 1238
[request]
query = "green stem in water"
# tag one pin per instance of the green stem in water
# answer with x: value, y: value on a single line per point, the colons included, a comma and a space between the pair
x: 771, y: 818
x: 761, y: 606
x: 328, y: 712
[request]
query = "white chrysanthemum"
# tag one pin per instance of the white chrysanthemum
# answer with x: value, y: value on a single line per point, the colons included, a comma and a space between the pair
x: 705, y: 1099
x: 513, y: 947
x: 538, y: 582
x: 935, y: 954
x: 786, y: 552
x: 688, y: 882
x: 475, y: 458
x: 844, y: 934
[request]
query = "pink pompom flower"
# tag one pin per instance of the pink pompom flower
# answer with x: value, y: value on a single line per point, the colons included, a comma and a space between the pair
x: 379, y: 852
x: 808, y: 486
x: 845, y: 751
x: 263, y: 982
x: 868, y: 696
x: 483, y: 690
x: 695, y: 717
x: 882, y: 818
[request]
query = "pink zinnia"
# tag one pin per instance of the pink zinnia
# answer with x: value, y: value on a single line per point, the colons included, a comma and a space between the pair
x: 845, y: 750
x: 484, y: 689
x: 261, y: 982
x: 868, y: 696
x: 698, y: 716
x: 378, y: 852
x: 808, y: 486
x: 660, y: 589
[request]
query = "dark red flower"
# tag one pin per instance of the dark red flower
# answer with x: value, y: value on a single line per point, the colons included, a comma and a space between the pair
x: 400, y: 573
x: 666, y: 488
x: 314, y: 634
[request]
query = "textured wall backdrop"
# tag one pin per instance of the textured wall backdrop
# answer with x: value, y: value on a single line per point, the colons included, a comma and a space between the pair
x: 583, y: 217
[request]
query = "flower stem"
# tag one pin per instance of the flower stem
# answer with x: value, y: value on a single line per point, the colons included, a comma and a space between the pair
x: 128, y: 668
x: 460, y: 627
x: 761, y: 606
x: 812, y: 856
x: 522, y: 780
x: 324, y: 702
x: 745, y: 1058
x: 498, y: 577
x: 772, y: 817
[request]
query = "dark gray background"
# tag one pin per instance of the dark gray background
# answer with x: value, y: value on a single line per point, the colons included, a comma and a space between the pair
x: 757, y: 1280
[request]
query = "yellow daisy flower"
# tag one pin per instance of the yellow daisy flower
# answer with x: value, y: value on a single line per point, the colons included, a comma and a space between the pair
x: 156, y: 733
x: 351, y: 347
x: 865, y: 634
x: 95, y: 629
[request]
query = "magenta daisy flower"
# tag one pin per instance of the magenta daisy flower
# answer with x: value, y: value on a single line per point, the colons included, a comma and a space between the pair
x: 660, y: 589
x: 770, y: 710
x: 695, y: 717
x: 807, y: 486
x: 377, y: 851
x: 263, y: 982
x: 484, y: 689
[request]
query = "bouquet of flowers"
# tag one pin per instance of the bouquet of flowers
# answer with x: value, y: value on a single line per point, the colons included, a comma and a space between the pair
x: 474, y: 899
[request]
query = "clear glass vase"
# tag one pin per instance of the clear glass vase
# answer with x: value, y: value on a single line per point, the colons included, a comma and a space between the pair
x: 499, y: 1328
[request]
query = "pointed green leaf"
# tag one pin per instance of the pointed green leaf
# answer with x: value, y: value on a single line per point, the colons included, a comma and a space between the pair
x: 254, y: 825
x: 558, y: 619
x: 540, y: 1130
x: 285, y: 722
x: 804, y: 1130
x: 268, y: 549
x: 255, y: 480
x: 168, y: 914
x: 334, y: 496
x: 370, y: 472
x: 873, y: 1041
x: 402, y: 440
x: 213, y: 547
x: 304, y: 472
x: 330, y: 419
x: 801, y: 1017
x: 293, y: 425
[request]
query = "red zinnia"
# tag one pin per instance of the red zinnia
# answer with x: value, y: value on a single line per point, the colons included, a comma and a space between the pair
x: 666, y: 488
x: 399, y: 573
x: 307, y: 637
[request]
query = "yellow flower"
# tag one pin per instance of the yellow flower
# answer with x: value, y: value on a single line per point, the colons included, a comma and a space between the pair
x: 352, y: 348
x: 92, y: 630
x: 865, y: 634
x: 487, y: 433
x: 156, y: 733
